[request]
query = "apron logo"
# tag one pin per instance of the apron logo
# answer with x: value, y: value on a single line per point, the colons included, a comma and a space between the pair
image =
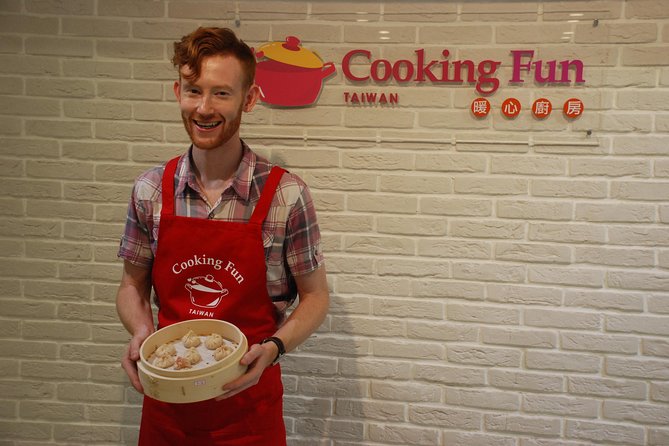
x: 205, y: 291
x: 197, y: 261
x: 180, y: 267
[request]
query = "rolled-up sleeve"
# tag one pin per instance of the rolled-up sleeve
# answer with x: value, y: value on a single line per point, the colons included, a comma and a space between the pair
x: 135, y: 245
x: 303, y: 238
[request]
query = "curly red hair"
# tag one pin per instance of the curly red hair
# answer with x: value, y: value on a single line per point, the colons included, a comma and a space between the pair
x: 193, y: 48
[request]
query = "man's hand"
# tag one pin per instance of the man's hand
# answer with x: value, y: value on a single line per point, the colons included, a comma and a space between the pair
x: 134, y: 309
x: 258, y: 358
x: 130, y: 358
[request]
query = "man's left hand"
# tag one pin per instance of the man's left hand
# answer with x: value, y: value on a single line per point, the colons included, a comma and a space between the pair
x: 258, y: 358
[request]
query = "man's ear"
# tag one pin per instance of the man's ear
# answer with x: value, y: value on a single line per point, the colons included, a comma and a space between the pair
x: 251, y: 98
x: 177, y: 90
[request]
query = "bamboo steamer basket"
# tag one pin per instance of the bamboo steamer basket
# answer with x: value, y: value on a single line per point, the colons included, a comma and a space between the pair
x: 194, y: 384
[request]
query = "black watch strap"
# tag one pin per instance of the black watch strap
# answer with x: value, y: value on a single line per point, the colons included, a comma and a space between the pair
x: 279, y: 344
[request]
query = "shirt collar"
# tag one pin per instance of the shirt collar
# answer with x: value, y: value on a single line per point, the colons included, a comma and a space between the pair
x: 241, y: 183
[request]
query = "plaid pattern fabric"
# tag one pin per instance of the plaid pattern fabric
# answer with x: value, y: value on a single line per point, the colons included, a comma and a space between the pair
x: 291, y: 236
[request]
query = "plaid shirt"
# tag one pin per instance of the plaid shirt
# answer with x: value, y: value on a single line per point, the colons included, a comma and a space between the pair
x: 291, y: 236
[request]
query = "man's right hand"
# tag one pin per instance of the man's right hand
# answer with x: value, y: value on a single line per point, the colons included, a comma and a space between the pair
x: 130, y: 358
x: 133, y: 304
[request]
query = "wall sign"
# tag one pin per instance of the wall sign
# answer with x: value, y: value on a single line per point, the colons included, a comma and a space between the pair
x: 290, y: 75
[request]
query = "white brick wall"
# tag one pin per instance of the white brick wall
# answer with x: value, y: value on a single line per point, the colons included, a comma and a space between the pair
x: 493, y: 282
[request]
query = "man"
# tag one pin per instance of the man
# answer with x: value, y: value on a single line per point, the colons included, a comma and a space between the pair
x: 255, y: 222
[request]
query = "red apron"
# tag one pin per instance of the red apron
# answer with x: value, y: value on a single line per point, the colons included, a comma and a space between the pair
x: 216, y: 269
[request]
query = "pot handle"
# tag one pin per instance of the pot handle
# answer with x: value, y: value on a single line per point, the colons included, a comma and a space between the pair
x: 328, y: 69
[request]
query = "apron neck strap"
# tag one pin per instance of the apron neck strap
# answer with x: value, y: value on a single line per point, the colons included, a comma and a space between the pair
x: 268, y: 190
x: 260, y: 211
x: 168, y: 187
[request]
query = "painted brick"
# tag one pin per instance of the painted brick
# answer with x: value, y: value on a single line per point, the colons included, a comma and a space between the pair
x: 522, y: 424
x: 59, y: 209
x: 658, y: 437
x: 491, y: 186
x: 636, y: 412
x: 409, y: 225
x: 60, y: 88
x: 49, y: 46
x: 444, y: 416
x: 526, y: 381
x: 486, y: 356
x: 640, y: 236
x: 519, y: 338
x: 456, y: 206
x: 129, y: 50
x: 484, y: 400
x: 532, y: 253
x: 374, y: 410
x: 529, y: 34
x: 26, y: 106
x: 637, y: 368
x: 560, y: 405
x: 441, y: 331
x: 97, y: 69
x: 376, y: 368
x: 659, y: 392
x: 22, y: 430
x: 455, y: 35
x: 655, y: 347
x: 597, y: 431
x: 620, y: 213
x: 616, y: 388
x: 455, y: 289
x: 510, y: 11
x: 420, y: 11
x: 565, y: 362
x: 599, y: 343
x: 614, y: 257
x: 448, y: 162
x: 639, y: 281
x: 476, y: 439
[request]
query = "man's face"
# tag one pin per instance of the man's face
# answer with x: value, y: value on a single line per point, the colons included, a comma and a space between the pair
x: 211, y: 106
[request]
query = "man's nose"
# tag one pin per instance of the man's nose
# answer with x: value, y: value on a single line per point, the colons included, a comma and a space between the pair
x: 205, y: 105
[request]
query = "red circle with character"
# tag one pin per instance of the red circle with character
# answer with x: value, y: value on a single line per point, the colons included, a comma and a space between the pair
x: 511, y: 107
x: 542, y: 108
x: 480, y: 107
x: 573, y: 108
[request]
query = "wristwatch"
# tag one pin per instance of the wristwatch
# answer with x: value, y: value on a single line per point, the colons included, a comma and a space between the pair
x: 279, y: 344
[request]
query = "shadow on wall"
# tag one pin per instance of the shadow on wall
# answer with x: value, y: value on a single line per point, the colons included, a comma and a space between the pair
x: 324, y: 384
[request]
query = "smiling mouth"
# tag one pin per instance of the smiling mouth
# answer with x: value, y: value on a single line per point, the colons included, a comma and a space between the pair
x: 207, y: 125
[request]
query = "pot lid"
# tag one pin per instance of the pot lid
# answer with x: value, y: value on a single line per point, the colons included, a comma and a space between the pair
x: 290, y: 52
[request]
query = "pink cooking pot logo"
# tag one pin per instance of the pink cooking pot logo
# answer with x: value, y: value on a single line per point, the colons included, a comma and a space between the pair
x: 289, y: 75
x: 205, y: 291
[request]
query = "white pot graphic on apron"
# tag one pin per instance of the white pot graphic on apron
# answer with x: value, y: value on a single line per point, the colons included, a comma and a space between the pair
x: 205, y: 291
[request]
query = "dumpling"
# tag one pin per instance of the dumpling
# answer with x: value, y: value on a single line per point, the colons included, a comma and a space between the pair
x: 164, y: 361
x: 182, y: 363
x: 190, y: 358
x: 193, y: 356
x: 190, y: 339
x: 213, y: 341
x: 166, y: 350
x: 222, y: 351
